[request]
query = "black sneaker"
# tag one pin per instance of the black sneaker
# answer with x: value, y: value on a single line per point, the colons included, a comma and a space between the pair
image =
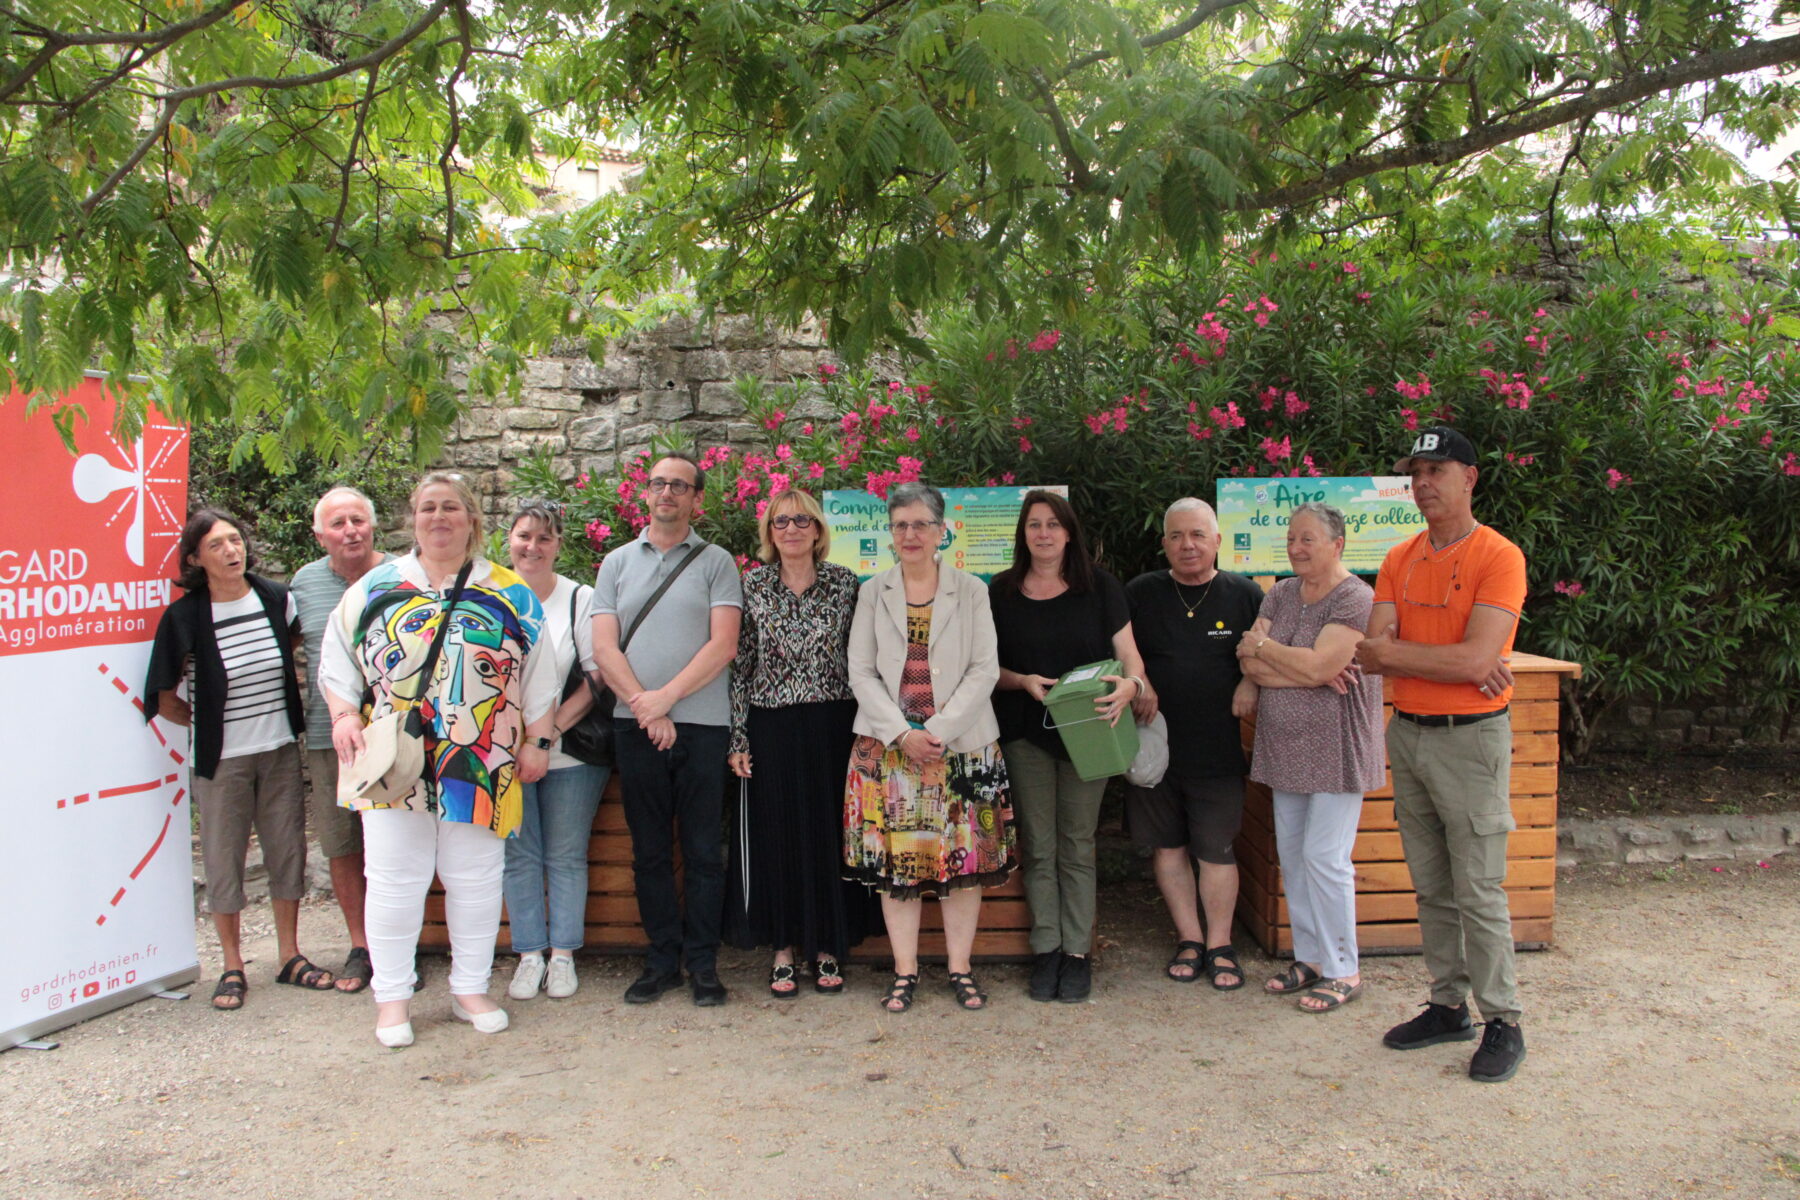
x: 1438, y: 1023
x: 651, y: 985
x: 1045, y: 969
x: 1502, y: 1050
x: 1076, y: 981
x: 708, y: 991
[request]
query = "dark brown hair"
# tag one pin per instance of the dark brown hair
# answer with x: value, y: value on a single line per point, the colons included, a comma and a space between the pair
x: 1077, y: 563
x: 191, y: 577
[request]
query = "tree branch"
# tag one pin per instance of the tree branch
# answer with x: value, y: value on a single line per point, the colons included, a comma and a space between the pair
x: 1700, y: 69
x: 1079, y: 175
x: 1183, y: 27
x: 61, y: 39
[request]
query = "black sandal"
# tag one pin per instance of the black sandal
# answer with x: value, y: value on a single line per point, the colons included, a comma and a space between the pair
x: 783, y: 973
x: 232, y: 986
x: 968, y: 994
x: 301, y: 973
x: 1193, y: 964
x: 1209, y: 962
x: 358, y: 971
x: 1297, y: 978
x: 901, y: 993
x: 828, y: 977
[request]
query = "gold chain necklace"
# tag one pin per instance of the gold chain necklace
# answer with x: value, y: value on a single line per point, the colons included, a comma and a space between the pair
x: 1182, y: 596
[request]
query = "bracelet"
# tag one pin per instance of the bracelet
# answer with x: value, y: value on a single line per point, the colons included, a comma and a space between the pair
x: 342, y: 715
x: 1257, y: 653
x: 1141, y: 686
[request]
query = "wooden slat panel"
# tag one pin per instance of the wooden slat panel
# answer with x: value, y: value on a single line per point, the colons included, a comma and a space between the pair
x: 1372, y: 907
x: 610, y: 878
x: 1393, y: 876
x: 1003, y: 945
x: 1521, y: 843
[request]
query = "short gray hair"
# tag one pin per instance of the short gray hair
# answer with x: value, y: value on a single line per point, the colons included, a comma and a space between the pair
x: 1331, y: 518
x: 344, y: 489
x: 1188, y: 504
x: 903, y: 494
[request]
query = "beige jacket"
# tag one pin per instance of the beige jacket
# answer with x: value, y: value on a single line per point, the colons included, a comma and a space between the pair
x: 965, y: 664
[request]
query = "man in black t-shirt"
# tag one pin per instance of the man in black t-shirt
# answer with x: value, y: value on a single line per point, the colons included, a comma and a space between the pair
x: 1188, y: 620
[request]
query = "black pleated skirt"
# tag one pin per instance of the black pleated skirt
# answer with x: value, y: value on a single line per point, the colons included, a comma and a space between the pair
x: 787, y: 844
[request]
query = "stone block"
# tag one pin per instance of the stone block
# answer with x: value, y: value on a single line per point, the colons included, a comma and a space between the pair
x: 478, y: 423
x: 556, y: 399
x: 666, y: 405
x: 1674, y: 718
x: 636, y: 437
x: 545, y: 373
x: 1790, y: 834
x: 1652, y: 854
x: 808, y: 335
x: 739, y: 333
x: 1746, y: 829
x: 749, y: 362
x: 685, y: 333
x: 515, y: 445
x: 1667, y: 737
x: 476, y: 454
x: 597, y: 465
x: 532, y: 418
x: 662, y: 371
x: 1700, y: 735
x: 719, y: 400
x: 1710, y: 854
x: 1701, y: 835
x: 621, y: 369
x: 1713, y: 716
x: 598, y: 432
x: 1639, y: 716
x: 796, y: 364
x: 1725, y: 735
x: 1590, y: 839
x: 700, y: 365
x: 1646, y: 835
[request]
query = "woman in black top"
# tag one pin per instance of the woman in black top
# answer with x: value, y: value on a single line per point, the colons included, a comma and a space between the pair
x: 1055, y: 610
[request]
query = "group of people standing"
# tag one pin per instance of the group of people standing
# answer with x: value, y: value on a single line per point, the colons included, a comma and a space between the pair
x: 889, y: 741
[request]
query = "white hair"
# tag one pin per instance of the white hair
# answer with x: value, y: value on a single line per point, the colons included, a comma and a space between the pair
x: 342, y: 489
x: 1188, y: 504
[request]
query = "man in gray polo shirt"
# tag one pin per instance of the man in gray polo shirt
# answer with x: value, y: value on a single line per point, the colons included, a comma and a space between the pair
x: 344, y: 524
x: 673, y: 724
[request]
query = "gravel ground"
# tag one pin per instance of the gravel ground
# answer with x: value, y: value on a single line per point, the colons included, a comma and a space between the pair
x: 1664, y: 1061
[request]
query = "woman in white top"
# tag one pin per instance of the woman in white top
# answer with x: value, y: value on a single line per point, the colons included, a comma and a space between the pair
x: 547, y: 865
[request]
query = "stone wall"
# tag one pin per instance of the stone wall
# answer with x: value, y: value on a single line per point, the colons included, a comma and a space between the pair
x: 1717, y: 726
x: 680, y: 375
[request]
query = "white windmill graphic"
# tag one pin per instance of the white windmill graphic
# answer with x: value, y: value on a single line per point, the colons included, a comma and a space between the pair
x: 98, y: 479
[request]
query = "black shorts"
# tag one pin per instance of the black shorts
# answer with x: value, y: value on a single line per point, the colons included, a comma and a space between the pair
x: 1203, y: 815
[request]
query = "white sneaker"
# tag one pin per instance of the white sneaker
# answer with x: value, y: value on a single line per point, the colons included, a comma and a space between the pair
x: 528, y: 978
x: 562, y: 982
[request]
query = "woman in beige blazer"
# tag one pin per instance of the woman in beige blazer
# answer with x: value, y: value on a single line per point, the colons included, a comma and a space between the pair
x: 926, y: 808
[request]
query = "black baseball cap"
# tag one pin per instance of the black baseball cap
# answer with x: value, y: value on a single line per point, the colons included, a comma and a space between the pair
x: 1440, y: 443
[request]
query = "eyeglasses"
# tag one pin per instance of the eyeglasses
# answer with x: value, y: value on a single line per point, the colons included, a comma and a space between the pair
x: 675, y: 487
x: 538, y: 503
x: 797, y: 520
x: 906, y: 527
x: 1450, y: 585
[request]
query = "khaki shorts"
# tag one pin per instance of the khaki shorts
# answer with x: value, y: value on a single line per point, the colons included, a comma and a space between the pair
x: 263, y: 790
x: 339, y: 830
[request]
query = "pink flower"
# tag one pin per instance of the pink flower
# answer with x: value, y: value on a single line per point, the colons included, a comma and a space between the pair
x: 807, y: 429
x: 1229, y: 418
x: 774, y: 419
x: 784, y: 452
x: 1789, y: 464
x: 1414, y: 391
x: 1045, y: 340
x: 581, y: 480
x: 1364, y: 297
x: 714, y: 457
x: 1351, y: 268
x: 1012, y: 349
x: 1024, y: 445
x: 1261, y: 318
x: 1023, y: 422
x: 597, y: 533
x: 912, y: 433
x: 1766, y: 440
x: 1267, y: 397
x: 1409, y: 418
x: 1615, y: 479
x: 762, y: 507
x: 826, y: 371
x: 815, y: 470
x: 1198, y: 431
x: 1276, y: 451
x: 894, y: 385
x: 779, y: 482
x: 1569, y: 587
x: 1294, y: 406
x: 849, y: 422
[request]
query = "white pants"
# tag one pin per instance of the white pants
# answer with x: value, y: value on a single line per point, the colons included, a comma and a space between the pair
x: 401, y: 851
x: 1314, y: 833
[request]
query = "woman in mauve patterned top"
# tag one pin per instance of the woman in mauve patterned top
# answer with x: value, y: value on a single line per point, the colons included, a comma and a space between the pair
x: 1318, y: 748
x: 791, y: 710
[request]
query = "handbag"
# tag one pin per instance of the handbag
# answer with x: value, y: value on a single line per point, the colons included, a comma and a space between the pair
x: 1152, y: 761
x: 393, y: 758
x: 590, y: 739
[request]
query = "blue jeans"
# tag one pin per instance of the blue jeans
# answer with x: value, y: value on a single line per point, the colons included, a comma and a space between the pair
x: 549, y: 859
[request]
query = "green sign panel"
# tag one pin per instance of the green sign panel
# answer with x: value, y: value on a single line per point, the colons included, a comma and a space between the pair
x: 978, y: 529
x: 1253, y: 516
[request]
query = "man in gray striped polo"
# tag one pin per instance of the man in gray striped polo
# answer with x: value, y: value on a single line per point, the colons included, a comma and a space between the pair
x: 344, y: 524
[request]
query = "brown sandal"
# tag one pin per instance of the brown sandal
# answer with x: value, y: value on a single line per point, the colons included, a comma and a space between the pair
x: 1297, y: 978
x: 301, y: 973
x: 1334, y: 992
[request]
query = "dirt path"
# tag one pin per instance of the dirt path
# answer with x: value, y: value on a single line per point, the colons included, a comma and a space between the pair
x: 1640, y: 1083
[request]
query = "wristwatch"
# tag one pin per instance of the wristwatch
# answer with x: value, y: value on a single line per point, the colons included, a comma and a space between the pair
x: 543, y: 743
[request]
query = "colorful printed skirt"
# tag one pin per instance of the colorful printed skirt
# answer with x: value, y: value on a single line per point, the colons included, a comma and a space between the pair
x: 911, y: 829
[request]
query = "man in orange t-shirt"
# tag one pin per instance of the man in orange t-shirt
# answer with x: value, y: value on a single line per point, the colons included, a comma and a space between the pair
x: 1447, y: 603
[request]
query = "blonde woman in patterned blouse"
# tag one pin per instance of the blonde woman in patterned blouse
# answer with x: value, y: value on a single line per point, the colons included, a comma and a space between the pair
x: 791, y: 710
x: 926, y: 807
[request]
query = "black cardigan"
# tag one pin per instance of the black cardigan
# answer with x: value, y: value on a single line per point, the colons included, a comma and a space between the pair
x: 186, y: 629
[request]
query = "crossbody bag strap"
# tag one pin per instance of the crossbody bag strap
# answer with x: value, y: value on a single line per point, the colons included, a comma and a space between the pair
x: 443, y: 631
x: 658, y: 594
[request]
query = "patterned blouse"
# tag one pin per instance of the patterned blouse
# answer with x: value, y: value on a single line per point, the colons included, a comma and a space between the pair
x: 916, y: 697
x: 791, y: 649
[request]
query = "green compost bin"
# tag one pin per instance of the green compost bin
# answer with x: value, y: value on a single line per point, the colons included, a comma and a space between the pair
x: 1097, y: 749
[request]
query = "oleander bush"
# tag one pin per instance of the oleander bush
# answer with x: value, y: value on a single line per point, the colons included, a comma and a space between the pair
x: 1641, y: 442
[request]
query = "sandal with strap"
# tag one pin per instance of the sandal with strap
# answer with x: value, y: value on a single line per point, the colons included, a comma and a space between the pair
x: 901, y: 993
x: 301, y: 973
x: 783, y: 973
x: 358, y: 971
x: 1335, y: 993
x: 1192, y: 964
x: 967, y: 992
x: 232, y: 987
x: 1209, y: 962
x: 828, y: 977
x: 1297, y: 978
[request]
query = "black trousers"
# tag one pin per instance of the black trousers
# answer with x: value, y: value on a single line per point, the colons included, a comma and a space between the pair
x: 680, y: 790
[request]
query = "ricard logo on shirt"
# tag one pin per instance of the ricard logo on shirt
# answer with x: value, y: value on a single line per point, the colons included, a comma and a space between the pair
x: 1219, y: 631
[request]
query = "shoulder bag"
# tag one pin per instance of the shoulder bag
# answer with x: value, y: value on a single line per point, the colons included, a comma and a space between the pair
x: 393, y: 757
x: 590, y: 739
